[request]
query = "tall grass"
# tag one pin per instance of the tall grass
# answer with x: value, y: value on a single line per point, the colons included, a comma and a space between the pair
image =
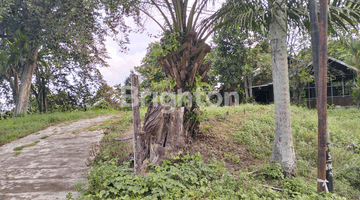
x: 15, y: 128
x: 256, y: 133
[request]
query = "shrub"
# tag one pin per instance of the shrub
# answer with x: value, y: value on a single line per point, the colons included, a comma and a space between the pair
x: 102, y: 105
x: 272, y: 171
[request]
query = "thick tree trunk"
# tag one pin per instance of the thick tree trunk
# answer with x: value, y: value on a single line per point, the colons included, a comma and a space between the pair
x: 24, y: 90
x: 162, y: 135
x: 283, y: 149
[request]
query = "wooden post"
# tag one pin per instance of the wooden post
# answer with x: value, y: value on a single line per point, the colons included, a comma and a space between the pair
x: 319, y: 47
x: 136, y: 123
x: 322, y: 99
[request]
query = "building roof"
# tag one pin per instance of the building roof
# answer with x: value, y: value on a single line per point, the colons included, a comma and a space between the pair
x: 350, y: 68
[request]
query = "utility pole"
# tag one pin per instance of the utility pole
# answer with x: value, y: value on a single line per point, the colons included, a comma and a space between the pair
x: 319, y: 47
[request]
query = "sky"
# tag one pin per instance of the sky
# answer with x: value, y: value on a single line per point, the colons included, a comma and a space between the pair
x: 121, y: 63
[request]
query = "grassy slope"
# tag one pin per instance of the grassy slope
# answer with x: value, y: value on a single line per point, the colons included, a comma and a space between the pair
x: 15, y: 128
x: 240, y: 137
x: 254, y: 131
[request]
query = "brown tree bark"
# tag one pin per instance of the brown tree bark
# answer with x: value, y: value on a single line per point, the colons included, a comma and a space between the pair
x: 24, y: 90
x: 163, y: 133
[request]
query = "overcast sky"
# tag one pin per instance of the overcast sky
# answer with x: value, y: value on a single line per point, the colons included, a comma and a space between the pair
x: 122, y: 63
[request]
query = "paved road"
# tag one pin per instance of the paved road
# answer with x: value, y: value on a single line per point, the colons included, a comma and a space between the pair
x: 49, y: 169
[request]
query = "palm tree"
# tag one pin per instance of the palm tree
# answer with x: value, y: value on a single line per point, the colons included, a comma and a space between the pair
x: 185, y: 30
x: 274, y: 16
x: 354, y: 49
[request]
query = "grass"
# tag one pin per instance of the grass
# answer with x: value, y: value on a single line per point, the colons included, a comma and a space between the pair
x: 242, y: 138
x: 18, y: 149
x: 44, y: 137
x: 116, y: 127
x: 15, y: 128
x: 255, y: 134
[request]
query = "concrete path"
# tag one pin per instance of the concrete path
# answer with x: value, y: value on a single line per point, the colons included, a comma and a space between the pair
x: 49, y: 169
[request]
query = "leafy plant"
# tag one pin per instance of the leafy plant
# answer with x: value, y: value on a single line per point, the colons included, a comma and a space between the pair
x: 356, y: 92
x: 103, y: 105
x: 272, y: 171
x: 296, y: 186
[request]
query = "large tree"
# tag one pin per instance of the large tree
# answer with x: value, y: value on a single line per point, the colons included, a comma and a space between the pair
x: 185, y: 28
x: 236, y: 56
x: 274, y: 16
x: 70, y: 28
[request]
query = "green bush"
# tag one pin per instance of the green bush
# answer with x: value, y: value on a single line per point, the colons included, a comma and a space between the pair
x: 187, y: 177
x: 296, y: 186
x: 102, y: 105
x: 272, y: 171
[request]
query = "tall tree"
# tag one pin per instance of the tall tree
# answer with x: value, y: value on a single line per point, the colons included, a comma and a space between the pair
x: 185, y: 31
x: 236, y: 55
x: 73, y: 28
x: 275, y: 15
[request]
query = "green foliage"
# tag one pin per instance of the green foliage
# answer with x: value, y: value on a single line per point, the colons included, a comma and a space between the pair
x: 26, y: 145
x: 150, y: 69
x: 297, y: 186
x: 183, y: 177
x: 44, y: 137
x: 187, y: 177
x: 108, y: 148
x: 356, y: 91
x: 272, y: 171
x: 234, y: 58
x: 352, y: 175
x: 169, y: 43
x: 103, y: 105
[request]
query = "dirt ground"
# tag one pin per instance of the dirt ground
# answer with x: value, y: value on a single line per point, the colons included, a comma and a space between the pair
x: 49, y: 169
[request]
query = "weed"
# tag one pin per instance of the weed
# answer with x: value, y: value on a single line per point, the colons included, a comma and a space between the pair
x: 272, y: 171
x: 69, y: 196
x: 26, y: 145
x: 296, y: 186
x: 231, y: 157
x: 222, y: 117
x: 44, y: 137
x: 17, y: 153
